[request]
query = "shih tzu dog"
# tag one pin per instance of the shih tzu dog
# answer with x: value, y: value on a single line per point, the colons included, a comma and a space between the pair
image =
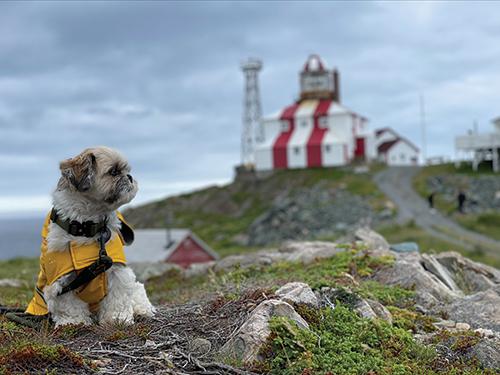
x: 83, y: 273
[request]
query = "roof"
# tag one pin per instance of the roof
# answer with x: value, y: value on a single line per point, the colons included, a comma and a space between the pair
x: 381, y: 131
x: 384, y: 147
x: 151, y: 244
x: 314, y: 64
x: 333, y: 109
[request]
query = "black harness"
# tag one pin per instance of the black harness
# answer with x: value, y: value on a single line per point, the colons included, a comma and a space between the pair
x: 86, y: 229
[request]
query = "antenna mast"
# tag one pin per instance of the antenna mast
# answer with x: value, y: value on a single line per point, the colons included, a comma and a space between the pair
x: 252, y: 131
x: 424, y: 135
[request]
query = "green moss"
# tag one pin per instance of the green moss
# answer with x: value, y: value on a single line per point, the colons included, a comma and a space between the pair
x: 390, y: 295
x: 411, y: 320
x: 342, y: 343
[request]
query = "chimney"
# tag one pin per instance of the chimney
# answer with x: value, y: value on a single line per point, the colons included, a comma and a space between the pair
x: 336, y: 85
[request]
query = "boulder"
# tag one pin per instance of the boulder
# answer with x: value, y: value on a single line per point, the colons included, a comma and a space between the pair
x: 371, y: 309
x: 147, y: 270
x: 374, y: 241
x: 199, y: 269
x: 468, y: 275
x: 432, y: 265
x: 245, y: 344
x: 299, y: 293
x: 480, y: 310
x: 408, y: 272
x: 308, y: 252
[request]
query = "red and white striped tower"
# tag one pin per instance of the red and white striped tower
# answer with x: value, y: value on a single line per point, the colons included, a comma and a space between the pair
x: 315, y: 131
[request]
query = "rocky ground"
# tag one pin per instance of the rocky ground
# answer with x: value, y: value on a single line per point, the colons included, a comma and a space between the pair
x: 314, y: 212
x: 303, y: 308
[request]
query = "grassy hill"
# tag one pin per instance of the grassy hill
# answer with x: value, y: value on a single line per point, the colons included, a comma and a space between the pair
x: 220, y: 215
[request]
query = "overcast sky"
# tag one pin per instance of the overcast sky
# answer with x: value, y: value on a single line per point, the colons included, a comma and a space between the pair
x: 161, y: 81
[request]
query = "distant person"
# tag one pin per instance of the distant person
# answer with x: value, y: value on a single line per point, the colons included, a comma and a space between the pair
x: 430, y: 199
x: 461, y: 198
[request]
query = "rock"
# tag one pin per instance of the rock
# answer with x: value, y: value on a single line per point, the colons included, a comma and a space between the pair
x: 305, y: 252
x: 12, y: 283
x: 468, y: 275
x: 405, y: 247
x: 485, y: 332
x: 308, y: 213
x: 101, y: 362
x: 249, y: 338
x: 308, y: 252
x: 487, y: 352
x: 371, y: 309
x: 147, y: 270
x: 299, y: 293
x: 198, y: 269
x: 462, y: 326
x: 480, y: 310
x: 409, y: 272
x: 380, y: 310
x: 374, y: 241
x: 432, y: 265
x: 200, y: 346
x: 445, y: 323
x: 364, y: 310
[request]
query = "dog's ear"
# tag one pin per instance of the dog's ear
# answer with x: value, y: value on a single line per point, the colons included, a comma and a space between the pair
x: 80, y: 170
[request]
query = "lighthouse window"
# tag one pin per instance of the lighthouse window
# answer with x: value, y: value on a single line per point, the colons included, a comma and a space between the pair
x: 323, y: 122
x: 296, y: 150
x: 303, y: 123
x: 327, y: 148
x: 284, y: 126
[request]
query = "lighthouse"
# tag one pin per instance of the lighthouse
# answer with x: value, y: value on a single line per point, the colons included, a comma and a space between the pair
x: 316, y: 130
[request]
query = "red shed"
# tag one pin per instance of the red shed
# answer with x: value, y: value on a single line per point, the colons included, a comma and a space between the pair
x: 179, y: 246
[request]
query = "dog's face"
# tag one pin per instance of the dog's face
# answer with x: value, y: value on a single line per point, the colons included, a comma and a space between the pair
x: 101, y: 175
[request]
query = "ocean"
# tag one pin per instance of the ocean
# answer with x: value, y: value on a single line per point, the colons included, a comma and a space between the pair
x: 20, y: 237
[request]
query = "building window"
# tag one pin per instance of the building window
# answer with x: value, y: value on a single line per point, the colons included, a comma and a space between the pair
x: 284, y: 126
x: 402, y: 156
x: 327, y: 148
x: 303, y: 123
x: 296, y: 150
x: 323, y: 122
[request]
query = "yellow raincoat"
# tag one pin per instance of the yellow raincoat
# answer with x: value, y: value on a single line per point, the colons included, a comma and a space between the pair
x: 76, y: 257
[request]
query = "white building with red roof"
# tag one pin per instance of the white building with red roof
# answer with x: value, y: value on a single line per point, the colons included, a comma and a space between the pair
x: 394, y: 150
x: 316, y: 130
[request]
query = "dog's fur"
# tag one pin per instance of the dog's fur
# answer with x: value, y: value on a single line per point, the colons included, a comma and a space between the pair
x: 92, y: 187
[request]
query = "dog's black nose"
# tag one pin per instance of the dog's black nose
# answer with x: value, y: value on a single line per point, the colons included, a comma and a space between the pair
x: 130, y: 178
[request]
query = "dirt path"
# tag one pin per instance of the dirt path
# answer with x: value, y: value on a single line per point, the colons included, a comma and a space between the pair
x: 397, y: 184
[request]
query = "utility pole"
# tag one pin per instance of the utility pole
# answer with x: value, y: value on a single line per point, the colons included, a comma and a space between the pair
x: 422, y: 126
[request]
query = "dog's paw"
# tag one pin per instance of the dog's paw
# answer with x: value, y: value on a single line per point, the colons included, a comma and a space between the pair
x: 117, y: 317
x: 66, y: 320
x: 146, y: 310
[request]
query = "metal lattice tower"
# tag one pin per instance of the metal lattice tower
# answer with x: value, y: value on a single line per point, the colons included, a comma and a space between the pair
x: 252, y: 130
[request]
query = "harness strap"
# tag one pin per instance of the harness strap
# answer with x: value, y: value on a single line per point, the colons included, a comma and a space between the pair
x: 102, y: 264
x: 75, y: 228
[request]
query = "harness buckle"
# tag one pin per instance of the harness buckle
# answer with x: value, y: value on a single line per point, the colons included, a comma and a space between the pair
x: 74, y: 228
x: 89, y: 228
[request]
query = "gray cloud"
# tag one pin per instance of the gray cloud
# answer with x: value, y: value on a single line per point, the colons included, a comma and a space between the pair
x: 161, y: 81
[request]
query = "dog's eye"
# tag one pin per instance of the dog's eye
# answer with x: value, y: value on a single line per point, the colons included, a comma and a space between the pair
x: 114, y: 172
